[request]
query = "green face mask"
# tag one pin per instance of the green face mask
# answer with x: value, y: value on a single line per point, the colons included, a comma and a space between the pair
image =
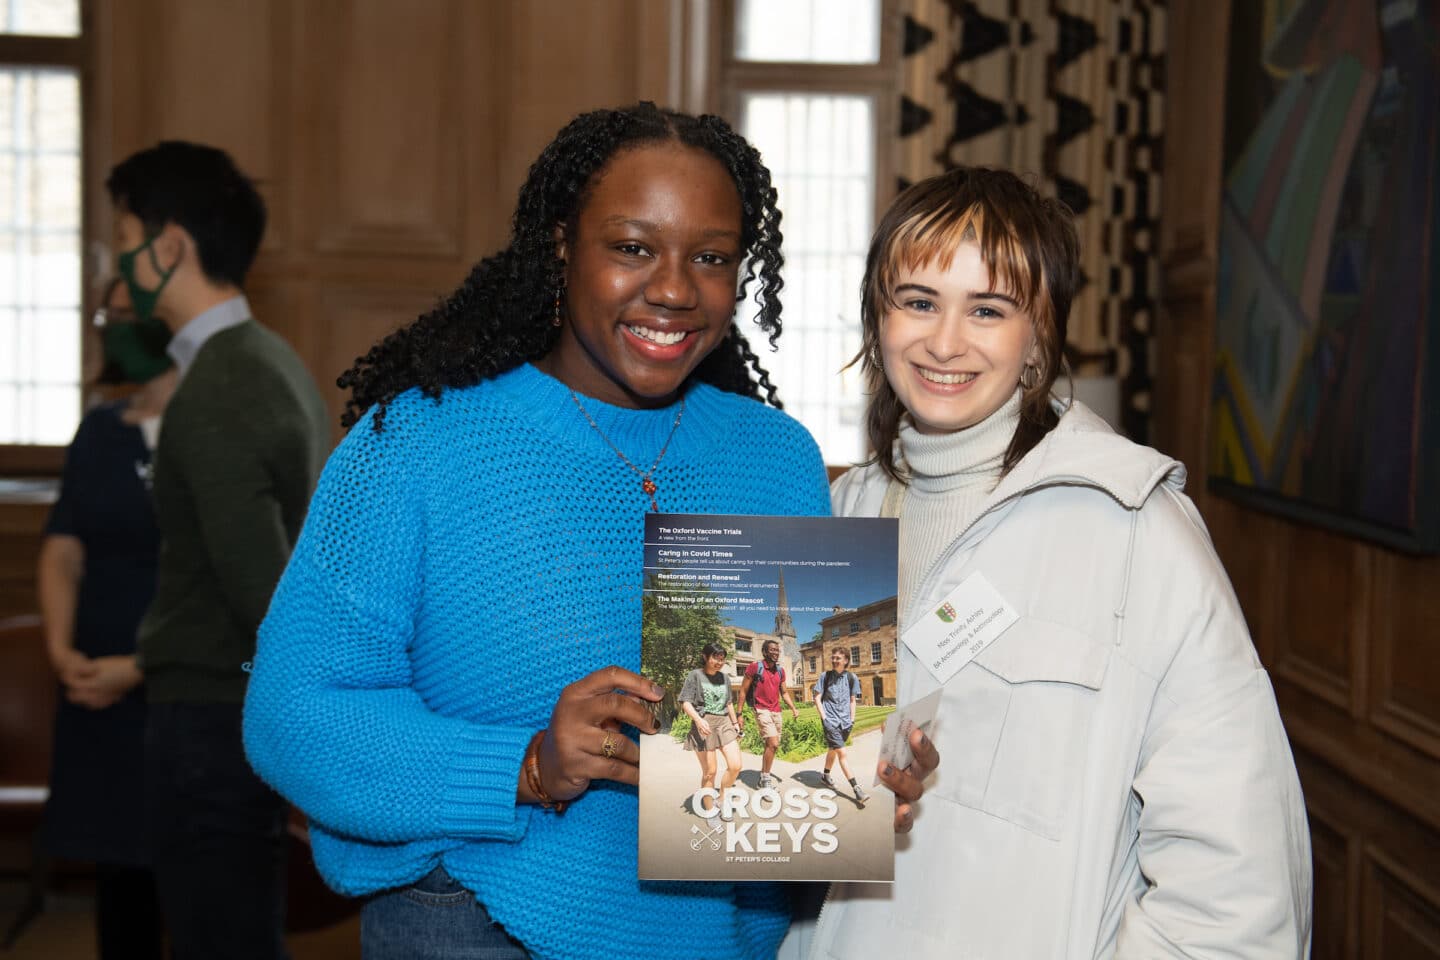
x: 135, y: 352
x: 142, y: 301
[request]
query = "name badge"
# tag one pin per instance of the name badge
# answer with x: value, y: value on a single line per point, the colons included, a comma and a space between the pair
x: 948, y: 636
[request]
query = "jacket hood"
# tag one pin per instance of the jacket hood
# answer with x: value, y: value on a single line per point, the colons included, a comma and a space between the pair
x: 1083, y: 450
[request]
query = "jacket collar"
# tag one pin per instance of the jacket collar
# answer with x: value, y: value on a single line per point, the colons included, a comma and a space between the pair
x: 1083, y: 450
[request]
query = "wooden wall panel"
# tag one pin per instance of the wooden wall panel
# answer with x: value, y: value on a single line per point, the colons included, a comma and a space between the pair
x: 1401, y: 922
x: 351, y: 318
x: 22, y: 521
x: 1406, y: 677
x: 1349, y: 631
x: 1254, y: 562
x: 382, y: 150
x: 542, y: 67
x: 1183, y: 356
x: 1334, y: 890
x: 240, y: 48
x: 1326, y: 602
x: 282, y: 304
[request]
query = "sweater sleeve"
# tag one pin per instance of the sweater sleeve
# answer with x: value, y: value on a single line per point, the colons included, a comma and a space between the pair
x: 332, y: 720
x: 235, y: 501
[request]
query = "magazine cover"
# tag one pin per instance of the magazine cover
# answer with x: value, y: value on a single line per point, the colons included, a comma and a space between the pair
x: 774, y: 638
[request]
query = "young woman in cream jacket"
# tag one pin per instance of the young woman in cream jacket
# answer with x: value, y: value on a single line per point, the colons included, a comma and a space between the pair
x: 1115, y: 779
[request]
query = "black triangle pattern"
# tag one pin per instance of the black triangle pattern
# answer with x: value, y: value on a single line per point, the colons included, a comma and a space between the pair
x: 1074, y: 118
x: 975, y: 113
x: 1073, y: 194
x: 917, y: 36
x: 1077, y: 37
x: 914, y: 117
x: 979, y: 34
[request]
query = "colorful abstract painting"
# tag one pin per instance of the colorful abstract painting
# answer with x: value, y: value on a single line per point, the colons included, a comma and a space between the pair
x: 1328, y: 328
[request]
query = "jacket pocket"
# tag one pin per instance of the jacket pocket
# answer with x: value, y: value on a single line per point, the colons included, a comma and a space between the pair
x: 1017, y: 725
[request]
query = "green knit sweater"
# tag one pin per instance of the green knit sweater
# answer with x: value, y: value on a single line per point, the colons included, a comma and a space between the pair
x: 241, y: 446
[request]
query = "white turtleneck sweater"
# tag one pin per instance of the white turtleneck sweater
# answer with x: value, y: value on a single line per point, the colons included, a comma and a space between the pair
x: 951, y: 474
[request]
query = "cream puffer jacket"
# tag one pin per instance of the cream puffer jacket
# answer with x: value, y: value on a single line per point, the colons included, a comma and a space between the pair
x: 1114, y: 777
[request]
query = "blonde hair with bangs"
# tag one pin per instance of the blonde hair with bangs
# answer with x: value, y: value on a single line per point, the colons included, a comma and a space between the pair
x: 934, y: 238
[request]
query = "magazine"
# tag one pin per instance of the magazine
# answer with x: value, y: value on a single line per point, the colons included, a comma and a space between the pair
x: 743, y: 615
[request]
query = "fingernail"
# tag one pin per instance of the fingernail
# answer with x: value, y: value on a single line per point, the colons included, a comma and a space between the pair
x: 889, y: 770
x: 924, y: 741
x: 657, y: 690
x: 909, y: 815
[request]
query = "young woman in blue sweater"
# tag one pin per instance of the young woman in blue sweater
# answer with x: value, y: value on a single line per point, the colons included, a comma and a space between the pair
x: 446, y: 682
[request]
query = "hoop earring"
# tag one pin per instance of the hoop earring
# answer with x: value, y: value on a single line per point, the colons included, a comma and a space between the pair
x: 1029, y: 376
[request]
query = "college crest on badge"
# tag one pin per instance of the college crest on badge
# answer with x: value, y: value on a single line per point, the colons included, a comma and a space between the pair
x: 946, y: 613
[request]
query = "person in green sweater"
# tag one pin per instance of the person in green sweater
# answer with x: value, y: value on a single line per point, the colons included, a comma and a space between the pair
x: 240, y: 450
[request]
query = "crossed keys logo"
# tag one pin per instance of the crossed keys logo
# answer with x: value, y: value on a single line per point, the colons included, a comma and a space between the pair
x: 712, y: 835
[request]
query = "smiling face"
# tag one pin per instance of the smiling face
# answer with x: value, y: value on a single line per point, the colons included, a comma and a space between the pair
x: 771, y: 651
x: 714, y: 663
x: 953, y: 345
x: 839, y: 660
x: 652, y: 262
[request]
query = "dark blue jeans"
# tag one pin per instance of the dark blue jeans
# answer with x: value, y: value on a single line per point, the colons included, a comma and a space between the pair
x: 436, y: 919
x: 217, y: 836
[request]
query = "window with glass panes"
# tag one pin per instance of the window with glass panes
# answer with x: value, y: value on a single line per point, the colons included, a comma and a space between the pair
x: 812, y: 83
x: 41, y: 172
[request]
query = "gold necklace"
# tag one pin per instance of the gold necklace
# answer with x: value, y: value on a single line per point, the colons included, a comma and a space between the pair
x: 647, y: 482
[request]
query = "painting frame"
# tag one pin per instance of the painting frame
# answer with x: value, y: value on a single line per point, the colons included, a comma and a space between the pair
x: 1325, y: 407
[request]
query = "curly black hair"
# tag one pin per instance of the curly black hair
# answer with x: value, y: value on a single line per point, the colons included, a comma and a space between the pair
x: 501, y: 315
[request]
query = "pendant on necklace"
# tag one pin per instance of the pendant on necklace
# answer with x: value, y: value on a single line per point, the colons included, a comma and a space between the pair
x: 646, y: 483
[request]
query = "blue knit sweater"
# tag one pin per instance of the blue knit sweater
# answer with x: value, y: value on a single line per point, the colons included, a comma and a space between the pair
x: 455, y: 572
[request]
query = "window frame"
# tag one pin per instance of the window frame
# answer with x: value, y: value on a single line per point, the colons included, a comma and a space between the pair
x: 77, y: 53
x: 877, y: 652
x: 880, y: 82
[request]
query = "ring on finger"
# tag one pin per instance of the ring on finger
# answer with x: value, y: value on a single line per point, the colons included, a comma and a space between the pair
x: 609, y: 747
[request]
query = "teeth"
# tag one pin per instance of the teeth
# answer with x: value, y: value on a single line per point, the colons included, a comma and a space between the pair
x: 657, y: 336
x: 934, y: 377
